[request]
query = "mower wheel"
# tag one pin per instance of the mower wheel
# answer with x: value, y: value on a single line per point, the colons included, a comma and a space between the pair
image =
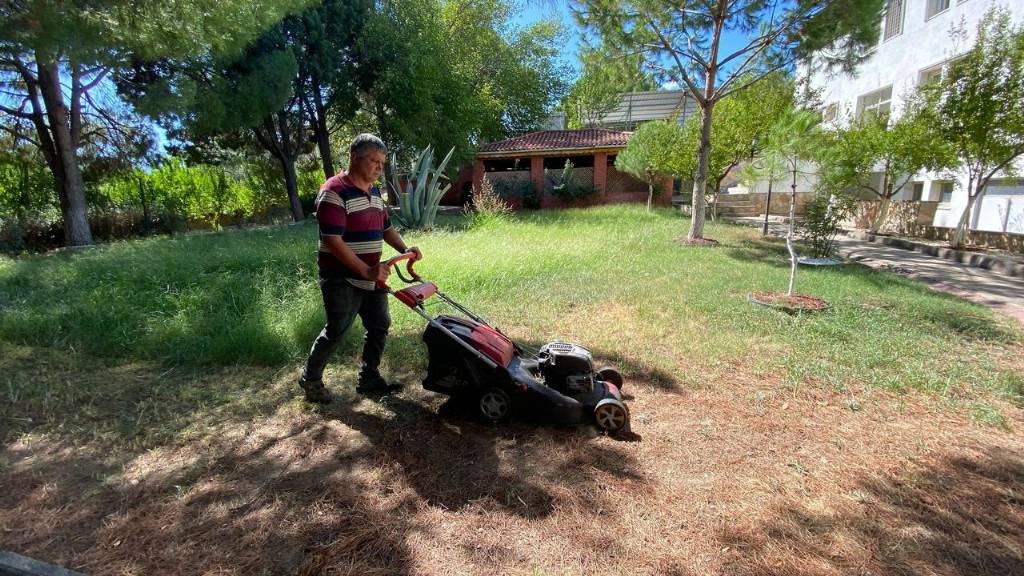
x: 495, y: 404
x: 611, y: 415
x: 610, y: 374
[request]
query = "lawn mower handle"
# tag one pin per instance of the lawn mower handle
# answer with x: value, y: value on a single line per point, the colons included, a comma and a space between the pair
x: 411, y: 257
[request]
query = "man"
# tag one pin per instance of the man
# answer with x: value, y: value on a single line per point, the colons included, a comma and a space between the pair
x: 354, y: 224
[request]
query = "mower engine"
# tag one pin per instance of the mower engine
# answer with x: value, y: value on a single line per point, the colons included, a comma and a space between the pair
x: 567, y: 368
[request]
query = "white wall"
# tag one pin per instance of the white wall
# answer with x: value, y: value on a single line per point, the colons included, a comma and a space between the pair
x: 899, y: 62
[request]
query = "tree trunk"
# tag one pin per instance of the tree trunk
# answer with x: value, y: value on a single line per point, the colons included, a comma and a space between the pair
x: 789, y: 235
x: 768, y: 204
x: 650, y: 195
x: 323, y: 140
x: 145, y: 206
x: 291, y: 184
x: 700, y: 181
x: 965, y: 219
x: 883, y: 214
x: 67, y: 177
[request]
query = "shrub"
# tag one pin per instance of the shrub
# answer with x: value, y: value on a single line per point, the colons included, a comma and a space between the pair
x: 821, y: 221
x: 487, y: 206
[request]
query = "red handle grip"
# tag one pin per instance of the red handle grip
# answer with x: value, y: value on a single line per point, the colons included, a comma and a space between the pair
x: 410, y: 256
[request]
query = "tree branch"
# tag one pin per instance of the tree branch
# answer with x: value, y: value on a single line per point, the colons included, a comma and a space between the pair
x: 18, y: 135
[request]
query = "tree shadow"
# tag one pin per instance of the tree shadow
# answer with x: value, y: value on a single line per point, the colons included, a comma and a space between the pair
x: 961, y: 515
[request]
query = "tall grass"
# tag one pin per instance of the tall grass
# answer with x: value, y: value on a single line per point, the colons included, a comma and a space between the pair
x: 610, y: 278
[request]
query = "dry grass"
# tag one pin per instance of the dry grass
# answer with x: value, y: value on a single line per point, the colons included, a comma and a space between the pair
x: 743, y: 475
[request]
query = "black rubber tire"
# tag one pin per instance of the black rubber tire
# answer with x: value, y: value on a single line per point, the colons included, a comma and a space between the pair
x: 611, y: 415
x: 609, y: 374
x: 495, y: 405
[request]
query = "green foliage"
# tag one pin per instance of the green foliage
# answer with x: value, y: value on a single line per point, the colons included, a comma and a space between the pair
x: 455, y: 73
x: 653, y: 151
x: 977, y: 107
x: 568, y: 188
x: 423, y: 190
x: 487, y: 208
x: 822, y: 217
x: 739, y: 128
x: 898, y: 149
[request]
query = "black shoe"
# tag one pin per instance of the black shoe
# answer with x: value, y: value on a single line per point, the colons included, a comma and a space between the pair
x: 376, y: 385
x: 315, y: 390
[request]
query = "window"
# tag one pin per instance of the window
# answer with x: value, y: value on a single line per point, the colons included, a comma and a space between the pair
x: 945, y: 192
x: 929, y: 75
x: 936, y: 72
x: 875, y: 103
x: 917, y: 192
x: 893, y: 19
x: 1005, y: 187
x: 935, y: 7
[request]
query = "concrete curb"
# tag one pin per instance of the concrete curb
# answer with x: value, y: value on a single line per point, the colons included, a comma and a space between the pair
x: 12, y: 564
x: 997, y: 264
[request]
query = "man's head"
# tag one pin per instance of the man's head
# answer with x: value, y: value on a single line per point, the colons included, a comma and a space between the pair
x: 367, y: 156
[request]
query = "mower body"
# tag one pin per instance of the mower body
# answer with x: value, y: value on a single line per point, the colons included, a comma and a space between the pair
x: 558, y: 385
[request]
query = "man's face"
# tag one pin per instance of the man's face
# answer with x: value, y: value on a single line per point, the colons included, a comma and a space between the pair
x: 369, y: 165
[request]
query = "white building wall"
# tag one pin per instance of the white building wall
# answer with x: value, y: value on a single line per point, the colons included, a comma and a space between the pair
x: 899, y: 62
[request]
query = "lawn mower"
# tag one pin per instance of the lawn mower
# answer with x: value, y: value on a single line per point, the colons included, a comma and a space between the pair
x: 472, y: 360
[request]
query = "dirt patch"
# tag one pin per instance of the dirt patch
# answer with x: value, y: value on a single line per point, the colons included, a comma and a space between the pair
x: 794, y: 303
x: 743, y: 476
x: 706, y: 242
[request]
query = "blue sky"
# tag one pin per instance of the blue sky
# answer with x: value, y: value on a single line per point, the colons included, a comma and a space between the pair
x: 533, y: 11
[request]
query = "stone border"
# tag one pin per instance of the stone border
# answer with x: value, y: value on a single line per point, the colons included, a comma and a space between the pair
x: 997, y: 264
x: 12, y: 564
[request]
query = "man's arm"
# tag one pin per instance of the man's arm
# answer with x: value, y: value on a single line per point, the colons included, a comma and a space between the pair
x: 394, y: 239
x: 342, y: 252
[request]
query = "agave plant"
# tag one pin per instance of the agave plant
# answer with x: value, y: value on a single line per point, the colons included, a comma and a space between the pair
x: 423, y: 190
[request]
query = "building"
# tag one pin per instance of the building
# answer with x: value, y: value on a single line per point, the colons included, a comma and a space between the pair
x: 917, y: 42
x: 536, y: 160
x: 635, y: 108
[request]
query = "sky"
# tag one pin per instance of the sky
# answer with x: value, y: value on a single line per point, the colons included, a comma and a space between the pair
x: 534, y: 10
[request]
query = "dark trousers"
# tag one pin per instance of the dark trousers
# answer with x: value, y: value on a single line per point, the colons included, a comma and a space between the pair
x: 342, y: 301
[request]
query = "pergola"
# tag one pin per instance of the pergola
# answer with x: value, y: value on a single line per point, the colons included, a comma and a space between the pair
x: 542, y: 149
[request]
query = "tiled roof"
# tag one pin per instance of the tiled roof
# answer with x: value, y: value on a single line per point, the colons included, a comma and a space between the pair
x: 560, y: 140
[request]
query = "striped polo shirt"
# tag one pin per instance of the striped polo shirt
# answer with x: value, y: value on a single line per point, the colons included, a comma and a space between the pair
x: 343, y: 209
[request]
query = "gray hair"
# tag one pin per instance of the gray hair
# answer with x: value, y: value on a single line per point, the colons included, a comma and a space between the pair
x: 365, y: 143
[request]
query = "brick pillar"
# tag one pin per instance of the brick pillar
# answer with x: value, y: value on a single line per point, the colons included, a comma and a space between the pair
x: 537, y: 175
x: 600, y: 172
x: 666, y: 195
x: 478, y: 175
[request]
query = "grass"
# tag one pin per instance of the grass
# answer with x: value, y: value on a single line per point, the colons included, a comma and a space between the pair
x: 151, y: 423
x: 610, y: 277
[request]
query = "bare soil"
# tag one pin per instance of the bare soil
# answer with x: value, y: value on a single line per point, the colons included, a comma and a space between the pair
x: 708, y: 242
x: 785, y: 301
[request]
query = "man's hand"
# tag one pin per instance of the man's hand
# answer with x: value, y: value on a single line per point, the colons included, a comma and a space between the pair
x: 416, y: 251
x: 378, y: 273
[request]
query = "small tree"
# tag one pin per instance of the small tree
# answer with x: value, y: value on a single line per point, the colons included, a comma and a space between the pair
x: 876, y: 144
x: 792, y: 141
x: 738, y: 131
x: 651, y: 154
x: 978, y: 107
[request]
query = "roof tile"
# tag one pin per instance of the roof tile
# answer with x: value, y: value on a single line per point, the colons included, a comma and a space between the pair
x: 560, y: 140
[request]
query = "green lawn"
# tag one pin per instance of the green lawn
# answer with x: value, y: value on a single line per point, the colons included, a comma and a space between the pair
x: 611, y: 278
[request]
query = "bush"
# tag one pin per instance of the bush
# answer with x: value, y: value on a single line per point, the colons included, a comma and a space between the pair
x: 487, y: 207
x: 821, y: 221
